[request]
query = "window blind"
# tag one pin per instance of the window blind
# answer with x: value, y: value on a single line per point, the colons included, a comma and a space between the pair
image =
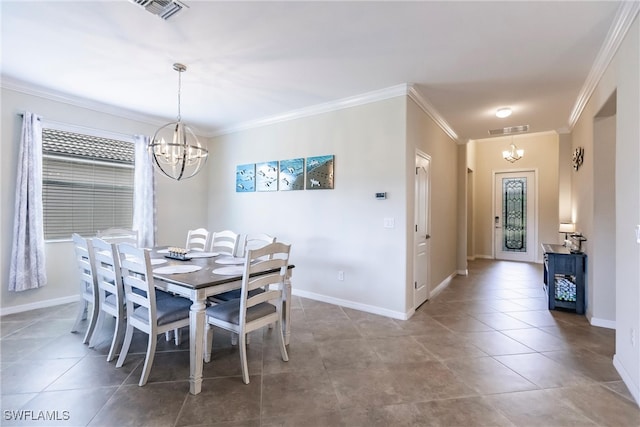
x: 87, y: 183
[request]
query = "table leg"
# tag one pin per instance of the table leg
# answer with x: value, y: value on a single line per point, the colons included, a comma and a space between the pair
x: 196, y: 347
x: 287, y: 310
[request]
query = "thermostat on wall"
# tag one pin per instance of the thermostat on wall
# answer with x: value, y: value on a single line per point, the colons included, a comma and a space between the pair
x: 381, y: 196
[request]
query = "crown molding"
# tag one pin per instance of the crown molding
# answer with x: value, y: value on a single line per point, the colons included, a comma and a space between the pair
x: 432, y: 112
x: 76, y: 101
x: 404, y: 89
x: 352, y: 101
x: 622, y: 22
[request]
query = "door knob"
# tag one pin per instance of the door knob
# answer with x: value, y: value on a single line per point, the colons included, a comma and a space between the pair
x: 428, y: 236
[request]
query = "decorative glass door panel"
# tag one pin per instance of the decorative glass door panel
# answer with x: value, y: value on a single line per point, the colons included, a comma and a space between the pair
x: 514, y: 214
x: 514, y: 211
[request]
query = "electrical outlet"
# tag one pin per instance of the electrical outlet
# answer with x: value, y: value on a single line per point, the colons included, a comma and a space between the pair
x: 638, y: 234
x: 340, y: 275
x: 389, y: 223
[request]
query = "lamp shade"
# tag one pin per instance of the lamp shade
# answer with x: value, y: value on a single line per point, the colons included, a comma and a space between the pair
x: 567, y: 227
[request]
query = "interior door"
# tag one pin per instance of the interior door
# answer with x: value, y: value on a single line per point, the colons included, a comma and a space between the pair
x: 514, y: 216
x: 421, y: 237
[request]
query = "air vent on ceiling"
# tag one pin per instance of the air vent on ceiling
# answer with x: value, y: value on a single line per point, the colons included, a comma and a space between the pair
x: 509, y: 130
x: 165, y: 9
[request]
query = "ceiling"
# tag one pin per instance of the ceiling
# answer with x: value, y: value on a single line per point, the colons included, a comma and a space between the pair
x: 249, y: 62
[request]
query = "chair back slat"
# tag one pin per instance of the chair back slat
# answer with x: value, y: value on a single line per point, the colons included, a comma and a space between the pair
x: 108, y: 270
x: 273, y: 256
x: 119, y: 235
x: 137, y: 275
x: 85, y: 261
x: 197, y: 240
x: 254, y: 241
x: 224, y: 242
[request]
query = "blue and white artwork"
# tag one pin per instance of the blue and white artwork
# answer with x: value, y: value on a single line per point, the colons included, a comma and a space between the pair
x: 245, y: 178
x: 267, y: 176
x: 319, y: 172
x: 291, y: 174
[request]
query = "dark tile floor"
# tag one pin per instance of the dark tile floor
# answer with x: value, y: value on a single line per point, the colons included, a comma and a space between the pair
x: 485, y: 352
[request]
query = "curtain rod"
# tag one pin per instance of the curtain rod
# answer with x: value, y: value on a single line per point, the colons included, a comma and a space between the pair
x: 22, y: 115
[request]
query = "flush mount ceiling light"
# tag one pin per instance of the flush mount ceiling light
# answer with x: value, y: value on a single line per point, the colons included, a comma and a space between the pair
x: 503, y: 112
x: 176, y: 151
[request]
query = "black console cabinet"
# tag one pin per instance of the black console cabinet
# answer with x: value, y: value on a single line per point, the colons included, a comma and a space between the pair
x: 564, y: 277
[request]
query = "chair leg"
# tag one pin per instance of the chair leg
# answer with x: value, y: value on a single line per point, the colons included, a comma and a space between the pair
x: 234, y: 338
x: 125, y: 346
x: 208, y: 343
x: 96, y: 330
x: 82, y: 315
x: 92, y: 323
x: 176, y: 336
x: 243, y: 357
x: 283, y: 348
x: 168, y: 335
x: 117, y: 338
x: 148, y: 361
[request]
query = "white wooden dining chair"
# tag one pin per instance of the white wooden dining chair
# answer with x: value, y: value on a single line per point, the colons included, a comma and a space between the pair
x: 119, y: 235
x: 197, y: 240
x: 255, y: 241
x: 110, y: 291
x: 250, y: 241
x: 145, y: 312
x: 264, y: 268
x: 224, y: 242
x: 85, y: 262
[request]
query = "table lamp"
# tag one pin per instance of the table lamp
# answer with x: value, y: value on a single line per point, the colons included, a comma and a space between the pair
x: 566, y: 228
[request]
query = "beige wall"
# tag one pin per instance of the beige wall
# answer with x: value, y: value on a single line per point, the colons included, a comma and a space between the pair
x: 342, y: 229
x: 330, y: 230
x: 622, y: 77
x: 180, y: 205
x: 424, y: 135
x: 540, y: 154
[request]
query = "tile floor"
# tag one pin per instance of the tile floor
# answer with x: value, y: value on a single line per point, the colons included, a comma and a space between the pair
x: 484, y: 352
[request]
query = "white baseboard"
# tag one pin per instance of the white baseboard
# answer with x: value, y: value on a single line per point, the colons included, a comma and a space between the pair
x: 471, y: 258
x: 40, y: 304
x: 634, y: 389
x: 442, y: 285
x: 484, y: 256
x: 464, y: 272
x: 355, y: 305
x: 603, y: 323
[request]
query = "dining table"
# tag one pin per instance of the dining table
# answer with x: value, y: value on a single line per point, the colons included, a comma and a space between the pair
x: 198, y: 276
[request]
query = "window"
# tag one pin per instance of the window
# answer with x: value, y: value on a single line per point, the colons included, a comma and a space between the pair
x: 87, y: 183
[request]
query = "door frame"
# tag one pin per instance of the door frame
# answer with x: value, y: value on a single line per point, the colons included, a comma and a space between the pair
x: 419, y: 156
x: 534, y: 241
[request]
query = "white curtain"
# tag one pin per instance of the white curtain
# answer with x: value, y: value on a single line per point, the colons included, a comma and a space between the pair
x: 144, y: 194
x: 28, y: 269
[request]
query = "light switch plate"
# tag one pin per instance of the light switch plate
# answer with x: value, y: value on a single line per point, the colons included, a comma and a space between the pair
x: 389, y: 223
x: 638, y: 234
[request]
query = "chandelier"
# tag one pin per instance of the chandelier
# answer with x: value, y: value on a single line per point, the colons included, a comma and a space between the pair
x: 176, y: 151
x: 513, y: 153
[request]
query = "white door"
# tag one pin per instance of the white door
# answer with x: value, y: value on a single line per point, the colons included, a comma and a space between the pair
x: 421, y: 236
x: 515, y: 216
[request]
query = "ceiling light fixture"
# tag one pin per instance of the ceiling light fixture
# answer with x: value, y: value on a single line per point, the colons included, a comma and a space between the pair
x: 503, y: 112
x: 513, y: 153
x: 176, y: 151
